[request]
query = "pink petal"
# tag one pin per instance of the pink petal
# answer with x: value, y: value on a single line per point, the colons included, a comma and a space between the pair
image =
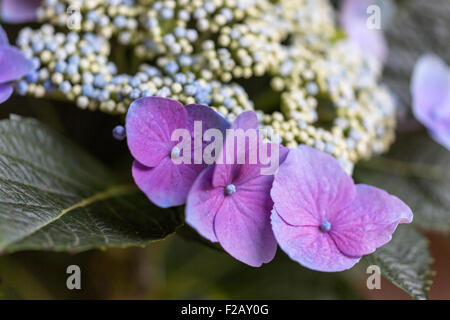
x: 167, y: 184
x: 368, y: 223
x: 5, y: 92
x: 241, y: 219
x: 242, y: 224
x: 207, y: 202
x: 18, y: 11
x: 310, y: 247
x: 247, y: 173
x: 13, y: 64
x: 150, y: 123
x: 223, y: 174
x: 241, y: 173
x: 309, y: 186
x: 246, y: 121
x: 202, y: 204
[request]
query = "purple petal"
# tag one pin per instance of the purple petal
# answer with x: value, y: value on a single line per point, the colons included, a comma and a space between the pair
x: 18, y: 11
x: 5, y: 92
x: 13, y: 64
x: 208, y: 116
x: 353, y: 17
x: 242, y: 224
x: 167, y: 184
x: 150, y: 123
x: 309, y: 186
x: 430, y: 89
x: 3, y: 37
x: 369, y: 222
x: 249, y: 172
x: 310, y: 247
x: 202, y: 204
x: 241, y: 173
x: 370, y: 41
x: 240, y: 219
x: 440, y: 130
x: 441, y: 134
x: 246, y: 120
x: 209, y: 119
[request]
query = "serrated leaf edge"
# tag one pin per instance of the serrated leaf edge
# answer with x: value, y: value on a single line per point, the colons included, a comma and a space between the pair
x: 372, y: 259
x: 111, y: 192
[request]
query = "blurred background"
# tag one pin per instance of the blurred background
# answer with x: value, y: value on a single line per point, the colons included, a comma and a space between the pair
x: 179, y: 268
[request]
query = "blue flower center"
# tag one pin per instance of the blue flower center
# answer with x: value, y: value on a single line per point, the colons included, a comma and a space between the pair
x: 325, y: 226
x: 230, y: 189
x: 119, y: 133
x: 175, y: 153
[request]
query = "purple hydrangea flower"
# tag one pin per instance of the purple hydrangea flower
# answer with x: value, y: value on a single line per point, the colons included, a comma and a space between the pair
x: 353, y: 18
x: 231, y: 204
x: 18, y: 11
x: 324, y: 221
x: 430, y: 89
x: 150, y: 123
x: 13, y: 65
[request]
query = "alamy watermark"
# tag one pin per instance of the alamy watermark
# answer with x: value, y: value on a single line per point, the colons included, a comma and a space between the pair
x: 74, y: 280
x: 373, y: 22
x: 74, y: 17
x: 374, y: 280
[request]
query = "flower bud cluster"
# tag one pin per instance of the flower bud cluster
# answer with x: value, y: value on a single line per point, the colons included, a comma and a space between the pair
x: 206, y: 52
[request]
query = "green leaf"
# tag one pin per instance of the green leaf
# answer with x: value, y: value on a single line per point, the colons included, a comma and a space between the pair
x: 417, y: 170
x: 55, y: 196
x: 405, y: 261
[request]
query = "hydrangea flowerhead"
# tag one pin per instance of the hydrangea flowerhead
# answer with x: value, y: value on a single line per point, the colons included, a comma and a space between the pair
x: 13, y: 65
x: 324, y: 221
x: 231, y: 204
x: 150, y: 123
x: 430, y: 89
x: 353, y: 18
x: 18, y: 11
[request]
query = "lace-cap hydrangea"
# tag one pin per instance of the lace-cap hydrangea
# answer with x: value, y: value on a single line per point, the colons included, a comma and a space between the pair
x: 150, y: 123
x: 324, y: 221
x: 430, y: 89
x: 18, y: 11
x: 13, y: 65
x: 231, y: 204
